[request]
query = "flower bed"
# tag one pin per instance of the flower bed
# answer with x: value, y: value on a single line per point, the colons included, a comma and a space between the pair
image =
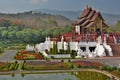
x: 86, y: 63
x: 24, y: 55
x: 45, y: 65
x: 4, y: 66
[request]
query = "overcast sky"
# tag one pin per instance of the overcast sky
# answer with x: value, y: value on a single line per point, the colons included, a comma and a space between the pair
x: 14, y: 6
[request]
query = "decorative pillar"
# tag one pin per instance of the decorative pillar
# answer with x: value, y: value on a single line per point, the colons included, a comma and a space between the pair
x: 87, y: 49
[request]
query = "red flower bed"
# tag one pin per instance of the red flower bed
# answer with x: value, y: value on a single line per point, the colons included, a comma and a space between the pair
x: 46, y: 65
x: 3, y: 64
x: 23, y: 55
x: 97, y: 64
x: 87, y: 63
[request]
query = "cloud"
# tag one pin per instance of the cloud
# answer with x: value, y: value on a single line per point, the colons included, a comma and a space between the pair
x: 37, y: 1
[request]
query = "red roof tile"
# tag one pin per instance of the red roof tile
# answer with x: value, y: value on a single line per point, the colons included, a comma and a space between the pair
x: 95, y: 16
x: 86, y: 12
x: 91, y: 14
x: 90, y: 24
x: 86, y: 22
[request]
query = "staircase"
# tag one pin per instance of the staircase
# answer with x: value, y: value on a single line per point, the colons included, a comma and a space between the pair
x: 115, y: 49
x: 106, y: 51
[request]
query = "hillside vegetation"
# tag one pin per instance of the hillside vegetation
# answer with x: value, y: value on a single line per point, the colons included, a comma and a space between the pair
x: 31, y: 28
x: 115, y: 28
x: 34, y: 20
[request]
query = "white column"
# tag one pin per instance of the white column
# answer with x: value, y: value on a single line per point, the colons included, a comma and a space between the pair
x: 87, y: 49
x: 77, y: 29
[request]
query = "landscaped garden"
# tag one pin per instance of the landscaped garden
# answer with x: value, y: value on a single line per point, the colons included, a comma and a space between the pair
x: 45, y: 65
x: 87, y: 64
x: 4, y: 66
x: 60, y: 65
x: 28, y: 55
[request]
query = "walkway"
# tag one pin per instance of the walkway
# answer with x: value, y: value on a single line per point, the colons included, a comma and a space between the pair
x: 112, y: 61
x: 8, y: 56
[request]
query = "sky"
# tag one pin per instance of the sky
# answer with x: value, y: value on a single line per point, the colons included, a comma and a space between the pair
x: 14, y: 6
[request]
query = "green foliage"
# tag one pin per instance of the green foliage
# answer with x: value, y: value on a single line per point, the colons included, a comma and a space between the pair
x: 62, y: 60
x: 116, y: 28
x: 62, y: 51
x: 12, y: 74
x: 68, y: 51
x: 73, y: 54
x: 55, y: 48
x: 79, y: 66
x: 23, y: 65
x: 72, y: 66
x: 109, y: 68
x: 89, y: 75
x: 22, y: 74
x: 69, y: 60
x: 16, y: 34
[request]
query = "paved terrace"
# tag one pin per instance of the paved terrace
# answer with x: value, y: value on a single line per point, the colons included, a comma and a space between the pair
x: 8, y: 56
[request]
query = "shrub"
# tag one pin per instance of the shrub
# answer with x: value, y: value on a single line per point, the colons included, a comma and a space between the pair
x: 118, y: 70
x: 69, y: 60
x: 114, y: 68
x: 72, y: 66
x: 52, y: 57
x: 73, y: 54
x: 62, y: 60
x: 79, y: 66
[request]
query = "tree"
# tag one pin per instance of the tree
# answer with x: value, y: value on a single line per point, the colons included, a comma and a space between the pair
x: 23, y: 65
x: 56, y: 48
x: 53, y: 49
x: 4, y: 34
x: 12, y: 35
x: 68, y: 51
x: 63, y: 48
x: 18, y: 34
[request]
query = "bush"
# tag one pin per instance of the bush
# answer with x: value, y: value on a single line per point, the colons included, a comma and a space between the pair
x: 73, y: 54
x: 83, y: 56
x: 79, y: 66
x: 52, y: 57
x: 114, y: 68
x: 69, y: 60
x: 72, y: 66
x: 62, y: 51
x: 108, y: 68
x: 62, y: 60
x: 105, y: 67
x: 118, y: 70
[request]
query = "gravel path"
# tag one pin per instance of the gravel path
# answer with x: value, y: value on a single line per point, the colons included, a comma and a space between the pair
x: 108, y: 61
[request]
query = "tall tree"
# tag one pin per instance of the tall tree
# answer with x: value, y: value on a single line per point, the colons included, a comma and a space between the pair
x: 68, y: 51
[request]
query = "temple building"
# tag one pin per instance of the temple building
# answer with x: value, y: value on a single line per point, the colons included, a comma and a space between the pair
x: 89, y: 38
x: 90, y: 21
